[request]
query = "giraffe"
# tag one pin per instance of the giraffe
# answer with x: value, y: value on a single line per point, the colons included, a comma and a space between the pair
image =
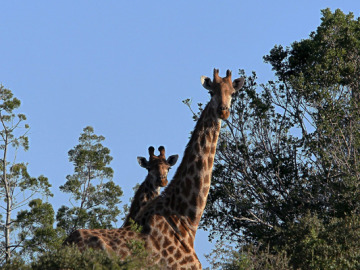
x: 169, y: 223
x: 158, y: 168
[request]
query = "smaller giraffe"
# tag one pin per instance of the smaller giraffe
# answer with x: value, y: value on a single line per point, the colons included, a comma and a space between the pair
x: 158, y: 168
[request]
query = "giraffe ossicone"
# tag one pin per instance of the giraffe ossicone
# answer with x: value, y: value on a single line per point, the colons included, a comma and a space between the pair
x: 170, y: 221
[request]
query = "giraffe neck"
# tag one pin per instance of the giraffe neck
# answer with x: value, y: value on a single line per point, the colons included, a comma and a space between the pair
x: 188, y: 191
x: 149, y: 187
x: 146, y: 192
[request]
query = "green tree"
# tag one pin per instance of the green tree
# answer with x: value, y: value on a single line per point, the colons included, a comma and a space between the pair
x: 94, y: 196
x: 226, y: 257
x: 323, y: 73
x: 36, y: 230
x: 17, y: 187
x: 291, y: 149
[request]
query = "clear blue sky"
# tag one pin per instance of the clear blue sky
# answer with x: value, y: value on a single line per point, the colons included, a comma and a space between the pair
x: 124, y: 67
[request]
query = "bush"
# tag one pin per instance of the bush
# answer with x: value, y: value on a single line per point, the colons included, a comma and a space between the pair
x: 248, y: 257
x: 314, y: 244
x: 71, y: 258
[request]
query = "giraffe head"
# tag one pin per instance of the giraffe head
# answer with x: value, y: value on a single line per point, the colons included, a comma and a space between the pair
x: 221, y: 91
x: 158, y: 166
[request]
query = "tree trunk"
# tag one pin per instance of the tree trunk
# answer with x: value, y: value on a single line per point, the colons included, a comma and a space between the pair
x: 8, y: 205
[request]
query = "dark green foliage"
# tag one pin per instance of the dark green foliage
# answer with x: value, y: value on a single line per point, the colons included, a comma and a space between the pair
x: 307, y: 244
x: 16, y: 263
x: 322, y: 74
x: 72, y: 258
x: 248, y: 257
x: 287, y: 169
x: 95, y: 197
x: 69, y: 257
x: 313, y: 244
x: 39, y: 235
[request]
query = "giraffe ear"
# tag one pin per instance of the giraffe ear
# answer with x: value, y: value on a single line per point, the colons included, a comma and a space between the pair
x: 238, y: 83
x: 142, y: 161
x: 172, y: 160
x: 206, y: 83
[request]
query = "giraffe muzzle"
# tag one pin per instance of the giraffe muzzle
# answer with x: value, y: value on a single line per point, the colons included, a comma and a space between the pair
x: 223, y: 112
x: 162, y: 181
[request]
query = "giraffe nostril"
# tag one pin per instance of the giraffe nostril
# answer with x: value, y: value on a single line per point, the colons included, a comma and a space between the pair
x: 223, y: 108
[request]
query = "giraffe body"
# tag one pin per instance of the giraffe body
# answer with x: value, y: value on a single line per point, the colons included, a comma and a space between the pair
x: 171, y: 220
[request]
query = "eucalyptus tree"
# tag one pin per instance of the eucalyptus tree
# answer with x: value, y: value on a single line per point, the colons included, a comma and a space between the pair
x: 17, y: 187
x: 94, y: 195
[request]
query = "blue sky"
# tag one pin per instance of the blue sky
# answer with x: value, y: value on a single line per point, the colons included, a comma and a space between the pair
x: 124, y: 67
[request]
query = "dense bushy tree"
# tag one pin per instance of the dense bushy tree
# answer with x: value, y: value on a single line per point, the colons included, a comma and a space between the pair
x: 226, y: 257
x: 323, y: 74
x: 291, y: 149
x: 94, y: 195
x: 36, y: 229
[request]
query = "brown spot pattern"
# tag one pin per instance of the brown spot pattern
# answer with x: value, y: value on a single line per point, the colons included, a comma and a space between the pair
x: 171, y: 249
x: 197, y: 147
x: 202, y: 141
x: 165, y: 229
x: 197, y: 182
x: 177, y: 255
x: 155, y: 243
x: 184, y: 189
x: 166, y: 242
x: 191, y: 214
x: 207, y: 180
x: 199, y: 164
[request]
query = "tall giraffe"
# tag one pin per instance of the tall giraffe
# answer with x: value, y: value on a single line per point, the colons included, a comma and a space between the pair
x: 171, y: 220
x: 158, y: 168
